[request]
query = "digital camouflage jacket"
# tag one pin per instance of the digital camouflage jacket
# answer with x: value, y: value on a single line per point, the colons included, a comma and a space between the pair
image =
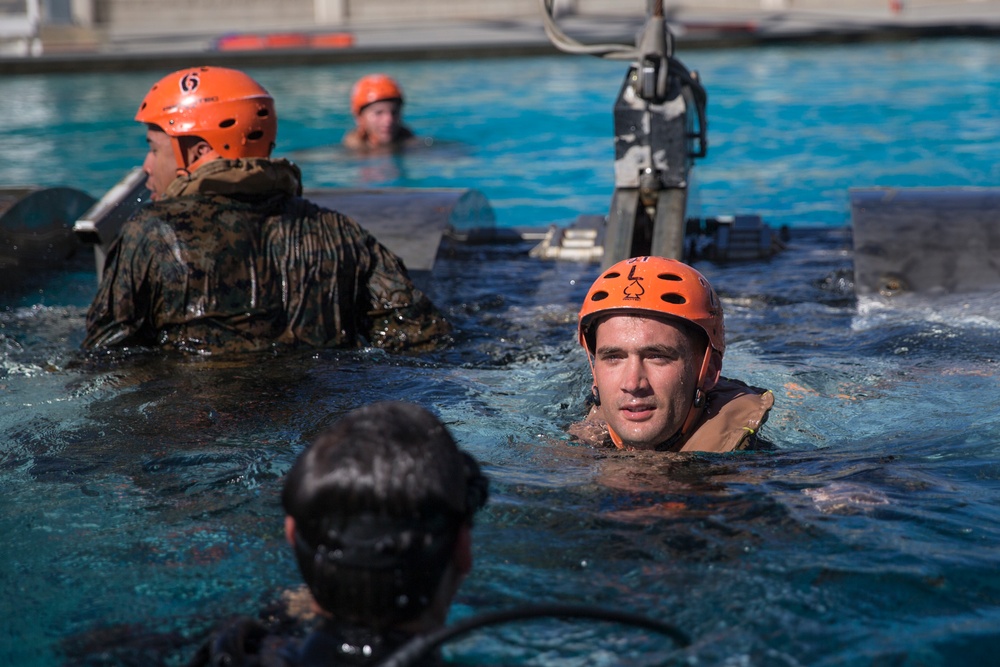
x: 233, y: 259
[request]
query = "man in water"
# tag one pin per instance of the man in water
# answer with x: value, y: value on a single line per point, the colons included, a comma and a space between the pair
x: 377, y: 105
x: 654, y: 335
x: 229, y: 257
x: 379, y: 512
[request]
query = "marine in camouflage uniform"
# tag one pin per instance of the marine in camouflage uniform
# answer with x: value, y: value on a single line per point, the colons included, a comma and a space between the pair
x: 228, y: 257
x: 233, y: 259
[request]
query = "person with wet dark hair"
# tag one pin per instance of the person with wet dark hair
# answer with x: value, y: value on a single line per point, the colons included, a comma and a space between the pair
x: 379, y: 511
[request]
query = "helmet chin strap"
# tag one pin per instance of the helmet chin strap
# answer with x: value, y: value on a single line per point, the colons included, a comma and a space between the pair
x: 700, y: 397
x: 615, y: 438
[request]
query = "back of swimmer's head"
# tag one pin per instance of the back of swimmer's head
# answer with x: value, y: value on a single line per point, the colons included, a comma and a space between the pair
x: 377, y: 501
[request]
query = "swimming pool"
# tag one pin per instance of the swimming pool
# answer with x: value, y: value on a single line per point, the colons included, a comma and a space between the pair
x: 139, y: 499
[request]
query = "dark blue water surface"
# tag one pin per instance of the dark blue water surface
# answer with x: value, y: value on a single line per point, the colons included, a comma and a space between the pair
x: 139, y: 497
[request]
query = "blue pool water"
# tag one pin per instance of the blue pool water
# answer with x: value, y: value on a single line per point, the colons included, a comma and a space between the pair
x: 139, y: 499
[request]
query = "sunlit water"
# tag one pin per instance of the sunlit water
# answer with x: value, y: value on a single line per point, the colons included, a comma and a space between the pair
x: 139, y: 499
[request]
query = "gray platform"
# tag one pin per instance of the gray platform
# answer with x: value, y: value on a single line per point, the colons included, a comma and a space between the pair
x: 411, y: 222
x: 925, y: 240
x: 36, y: 226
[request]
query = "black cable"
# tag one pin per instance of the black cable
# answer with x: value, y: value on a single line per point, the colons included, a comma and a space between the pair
x: 420, y: 646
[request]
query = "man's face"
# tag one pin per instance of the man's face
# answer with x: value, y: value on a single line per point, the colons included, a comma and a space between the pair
x: 380, y: 121
x: 160, y: 164
x: 646, y: 371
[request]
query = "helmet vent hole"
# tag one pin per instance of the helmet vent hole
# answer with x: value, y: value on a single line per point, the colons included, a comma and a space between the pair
x: 599, y: 296
x: 670, y: 276
x: 612, y: 275
x: 672, y: 297
x: 255, y: 135
x: 229, y: 122
x: 263, y: 113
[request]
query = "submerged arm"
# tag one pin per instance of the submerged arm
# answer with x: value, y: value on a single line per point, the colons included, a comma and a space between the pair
x: 399, y: 316
x: 121, y: 311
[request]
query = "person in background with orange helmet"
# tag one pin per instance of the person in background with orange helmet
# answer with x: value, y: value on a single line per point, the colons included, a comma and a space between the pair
x: 654, y: 335
x: 228, y: 257
x: 377, y: 105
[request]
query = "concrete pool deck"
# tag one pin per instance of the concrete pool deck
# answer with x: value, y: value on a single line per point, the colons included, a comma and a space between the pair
x: 387, y: 41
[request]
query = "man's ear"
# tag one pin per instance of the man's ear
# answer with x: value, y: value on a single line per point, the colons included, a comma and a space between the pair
x: 198, y: 151
x: 714, y: 371
x: 202, y: 148
x: 462, y: 556
x: 290, y: 529
x: 194, y: 149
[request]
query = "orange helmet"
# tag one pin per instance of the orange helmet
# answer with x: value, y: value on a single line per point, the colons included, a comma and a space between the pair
x: 659, y: 286
x: 665, y: 288
x: 233, y: 113
x: 374, y: 88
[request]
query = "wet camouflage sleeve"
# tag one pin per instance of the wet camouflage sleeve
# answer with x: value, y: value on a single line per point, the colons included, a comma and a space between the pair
x: 121, y: 313
x: 343, y: 288
x: 399, y: 316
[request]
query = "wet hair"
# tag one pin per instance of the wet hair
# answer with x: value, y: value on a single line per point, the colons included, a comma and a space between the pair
x: 378, y: 500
